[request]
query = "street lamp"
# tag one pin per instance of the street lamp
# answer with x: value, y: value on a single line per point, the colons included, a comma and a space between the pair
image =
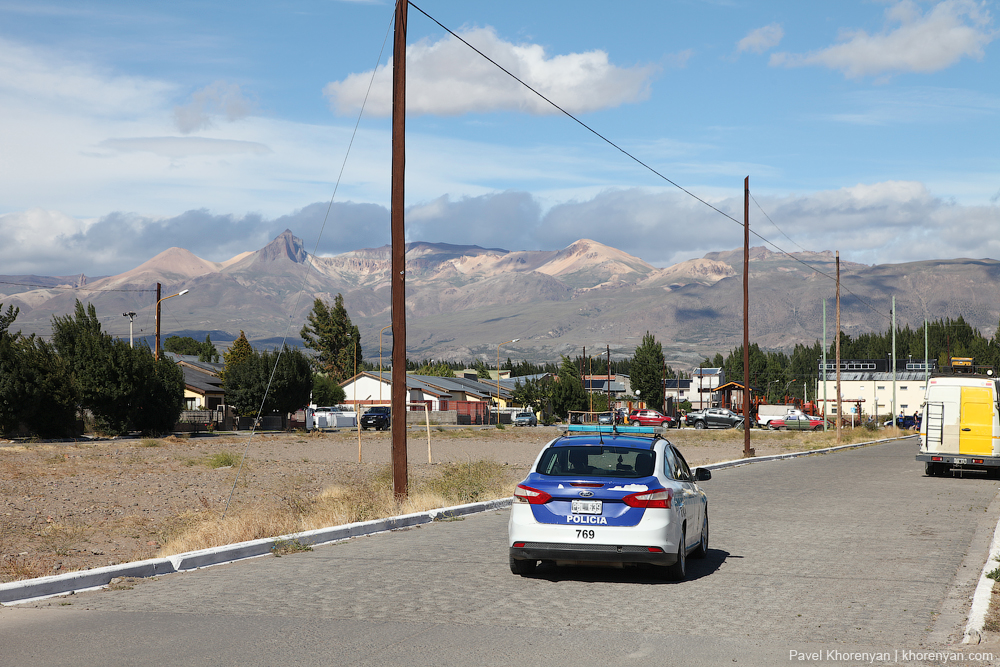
x: 380, y: 361
x: 498, y: 374
x: 157, y: 316
x: 130, y: 315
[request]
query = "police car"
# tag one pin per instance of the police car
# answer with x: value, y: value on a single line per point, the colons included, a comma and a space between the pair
x: 607, y: 495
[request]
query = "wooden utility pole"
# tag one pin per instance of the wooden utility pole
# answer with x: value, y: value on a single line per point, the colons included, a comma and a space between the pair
x: 747, y: 451
x: 839, y: 404
x: 398, y: 239
x: 156, y: 354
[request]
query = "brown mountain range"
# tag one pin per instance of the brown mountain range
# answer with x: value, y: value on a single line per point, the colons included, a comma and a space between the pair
x: 464, y: 300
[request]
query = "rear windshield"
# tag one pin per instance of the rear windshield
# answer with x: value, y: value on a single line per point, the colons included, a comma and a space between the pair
x: 596, y: 462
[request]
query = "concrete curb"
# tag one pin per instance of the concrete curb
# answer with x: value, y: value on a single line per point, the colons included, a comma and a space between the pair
x: 984, y: 593
x: 30, y: 590
x: 793, y: 455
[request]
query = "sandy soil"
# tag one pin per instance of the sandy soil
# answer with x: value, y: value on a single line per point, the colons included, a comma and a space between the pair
x: 74, y: 505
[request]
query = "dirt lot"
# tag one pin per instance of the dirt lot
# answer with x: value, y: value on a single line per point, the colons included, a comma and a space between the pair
x: 75, y: 505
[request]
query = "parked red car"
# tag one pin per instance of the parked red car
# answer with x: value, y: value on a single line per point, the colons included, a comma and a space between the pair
x: 797, y: 423
x: 649, y: 418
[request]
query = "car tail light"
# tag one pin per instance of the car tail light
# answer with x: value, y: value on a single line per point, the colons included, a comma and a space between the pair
x: 526, y: 494
x: 654, y: 498
x: 654, y: 550
x: 590, y: 485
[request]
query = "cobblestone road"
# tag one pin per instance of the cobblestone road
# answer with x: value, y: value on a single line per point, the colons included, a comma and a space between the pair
x: 852, y: 551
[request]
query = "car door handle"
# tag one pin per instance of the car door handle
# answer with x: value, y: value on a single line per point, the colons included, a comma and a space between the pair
x: 966, y: 429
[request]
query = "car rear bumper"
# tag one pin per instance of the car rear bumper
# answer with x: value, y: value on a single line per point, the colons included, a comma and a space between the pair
x: 592, y: 553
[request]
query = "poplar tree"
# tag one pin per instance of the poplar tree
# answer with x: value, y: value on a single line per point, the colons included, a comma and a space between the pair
x: 646, y: 371
x: 336, y: 342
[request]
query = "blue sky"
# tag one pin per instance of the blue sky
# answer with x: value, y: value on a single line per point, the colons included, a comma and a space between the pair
x: 865, y: 127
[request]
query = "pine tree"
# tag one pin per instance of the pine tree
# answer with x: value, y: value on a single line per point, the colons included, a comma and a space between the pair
x: 568, y: 393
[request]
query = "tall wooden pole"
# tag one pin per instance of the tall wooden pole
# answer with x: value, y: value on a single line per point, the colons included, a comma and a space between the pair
x: 747, y: 451
x: 398, y: 238
x: 156, y: 354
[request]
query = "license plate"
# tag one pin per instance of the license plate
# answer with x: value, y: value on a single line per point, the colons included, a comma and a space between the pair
x: 588, y: 506
x: 961, y: 461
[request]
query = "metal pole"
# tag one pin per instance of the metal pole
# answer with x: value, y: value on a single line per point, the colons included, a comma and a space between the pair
x: 838, y: 349
x: 893, y: 359
x: 747, y: 451
x: 927, y: 371
x: 609, y: 375
x: 398, y: 239
x: 824, y: 366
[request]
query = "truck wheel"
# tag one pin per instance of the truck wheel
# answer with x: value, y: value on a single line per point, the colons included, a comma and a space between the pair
x: 699, y: 425
x: 930, y: 469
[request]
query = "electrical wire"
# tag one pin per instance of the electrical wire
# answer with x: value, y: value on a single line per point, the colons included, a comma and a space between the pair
x: 625, y: 152
x: 306, y: 270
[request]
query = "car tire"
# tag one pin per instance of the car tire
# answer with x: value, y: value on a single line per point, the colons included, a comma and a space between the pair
x: 633, y: 423
x: 522, y: 567
x: 702, y: 549
x: 699, y: 425
x: 678, y: 571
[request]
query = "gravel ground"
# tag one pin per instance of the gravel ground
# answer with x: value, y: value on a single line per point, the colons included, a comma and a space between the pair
x: 89, y: 503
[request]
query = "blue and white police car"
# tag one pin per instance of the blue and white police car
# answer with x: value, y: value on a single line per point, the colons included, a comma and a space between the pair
x: 613, y: 496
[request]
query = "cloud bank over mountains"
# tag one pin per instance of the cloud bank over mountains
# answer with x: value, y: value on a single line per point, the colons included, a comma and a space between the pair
x: 882, y: 223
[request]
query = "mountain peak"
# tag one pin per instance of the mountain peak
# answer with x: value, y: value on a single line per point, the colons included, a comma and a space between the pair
x: 285, y: 246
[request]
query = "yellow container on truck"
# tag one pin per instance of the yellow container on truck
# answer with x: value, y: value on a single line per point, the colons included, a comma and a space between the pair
x: 960, y: 428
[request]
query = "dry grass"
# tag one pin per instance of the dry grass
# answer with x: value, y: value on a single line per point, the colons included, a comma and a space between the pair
x: 366, y: 499
x: 992, y: 622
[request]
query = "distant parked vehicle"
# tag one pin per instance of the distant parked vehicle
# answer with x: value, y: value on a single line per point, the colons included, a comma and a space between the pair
x: 525, y: 419
x: 649, y: 418
x: 797, y: 423
x: 605, y: 418
x: 378, y: 417
x: 713, y: 418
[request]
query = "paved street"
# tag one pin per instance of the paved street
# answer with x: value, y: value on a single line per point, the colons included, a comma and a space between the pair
x: 855, y: 551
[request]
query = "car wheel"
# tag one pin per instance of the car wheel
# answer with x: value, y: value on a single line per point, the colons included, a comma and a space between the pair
x: 522, y: 567
x: 633, y: 423
x: 699, y: 424
x: 678, y: 571
x: 702, y: 549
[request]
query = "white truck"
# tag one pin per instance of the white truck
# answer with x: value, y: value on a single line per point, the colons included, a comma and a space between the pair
x: 960, y: 426
x: 767, y: 413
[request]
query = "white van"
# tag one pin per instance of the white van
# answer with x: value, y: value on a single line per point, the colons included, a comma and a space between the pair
x: 960, y: 426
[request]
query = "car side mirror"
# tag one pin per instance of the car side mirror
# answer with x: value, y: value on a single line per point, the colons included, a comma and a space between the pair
x: 702, y: 474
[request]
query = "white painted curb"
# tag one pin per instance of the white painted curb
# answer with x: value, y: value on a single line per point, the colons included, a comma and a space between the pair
x: 984, y: 592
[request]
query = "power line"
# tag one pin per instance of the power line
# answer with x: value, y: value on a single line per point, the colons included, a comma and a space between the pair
x: 629, y: 155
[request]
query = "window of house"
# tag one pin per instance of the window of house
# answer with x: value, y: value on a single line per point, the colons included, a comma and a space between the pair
x: 881, y: 387
x: 902, y: 387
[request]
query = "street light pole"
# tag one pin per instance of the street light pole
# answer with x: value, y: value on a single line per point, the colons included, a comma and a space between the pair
x: 157, y: 316
x: 498, y: 375
x: 130, y: 315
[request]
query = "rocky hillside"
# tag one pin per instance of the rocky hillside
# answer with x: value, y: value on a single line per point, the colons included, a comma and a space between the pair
x: 463, y: 300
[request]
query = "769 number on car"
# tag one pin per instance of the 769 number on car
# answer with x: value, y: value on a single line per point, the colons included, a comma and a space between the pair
x: 584, y: 534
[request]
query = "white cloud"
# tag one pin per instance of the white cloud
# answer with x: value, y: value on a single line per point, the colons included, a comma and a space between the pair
x: 761, y: 39
x: 217, y: 99
x: 888, y: 222
x: 447, y: 78
x: 174, y: 147
x: 920, y: 42
x: 48, y: 81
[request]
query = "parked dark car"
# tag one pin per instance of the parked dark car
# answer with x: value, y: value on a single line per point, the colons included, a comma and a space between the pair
x: 378, y: 418
x: 713, y: 418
